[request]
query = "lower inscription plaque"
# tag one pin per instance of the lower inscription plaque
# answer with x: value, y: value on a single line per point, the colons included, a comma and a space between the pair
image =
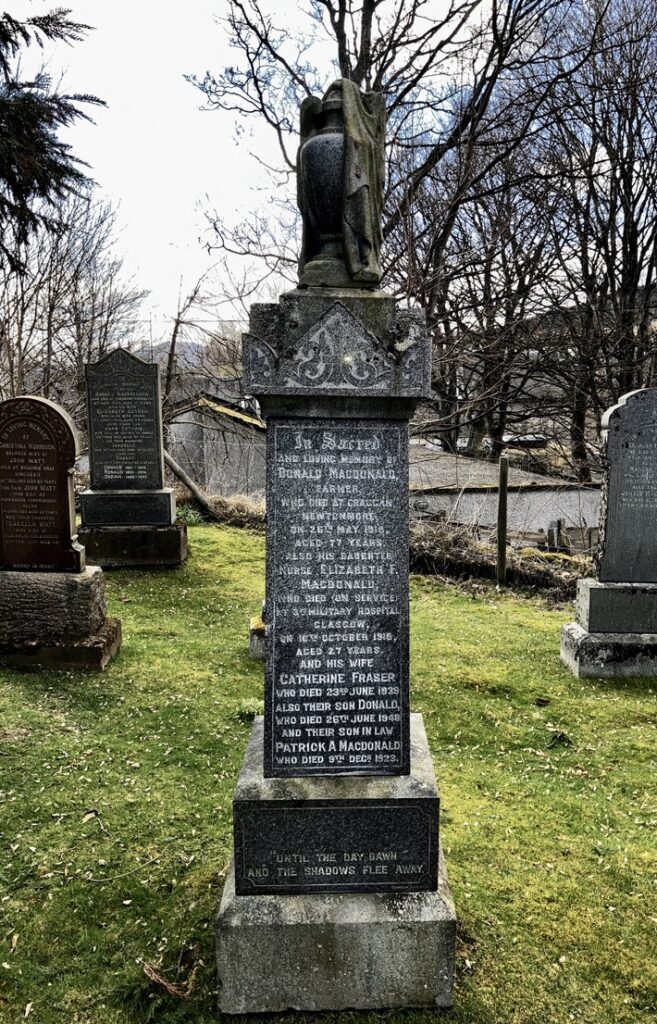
x: 128, y: 508
x: 336, y: 686
x: 376, y: 846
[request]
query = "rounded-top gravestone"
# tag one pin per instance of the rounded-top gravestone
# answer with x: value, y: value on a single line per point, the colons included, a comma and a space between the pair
x: 38, y: 449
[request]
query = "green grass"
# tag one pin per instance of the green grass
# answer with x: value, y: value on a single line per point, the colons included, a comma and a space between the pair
x: 115, y: 798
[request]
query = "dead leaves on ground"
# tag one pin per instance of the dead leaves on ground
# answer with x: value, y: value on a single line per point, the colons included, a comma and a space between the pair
x: 188, y: 961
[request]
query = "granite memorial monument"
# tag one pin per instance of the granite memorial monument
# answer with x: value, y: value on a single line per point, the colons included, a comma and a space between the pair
x: 337, y: 895
x: 128, y: 515
x: 615, y: 632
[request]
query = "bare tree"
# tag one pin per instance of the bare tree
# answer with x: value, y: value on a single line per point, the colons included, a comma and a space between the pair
x: 603, y: 170
x: 502, y: 259
x: 521, y: 204
x: 67, y: 303
x: 439, y: 69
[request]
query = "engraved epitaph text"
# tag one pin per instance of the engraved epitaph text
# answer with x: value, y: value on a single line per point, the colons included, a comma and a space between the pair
x: 37, y: 456
x: 337, y: 598
x: 630, y: 541
x: 125, y: 423
x: 337, y: 847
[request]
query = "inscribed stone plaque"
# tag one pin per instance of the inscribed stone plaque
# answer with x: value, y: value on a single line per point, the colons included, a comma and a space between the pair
x: 125, y: 423
x: 336, y: 678
x: 37, y: 457
x: 629, y: 551
x: 304, y: 846
x: 128, y: 508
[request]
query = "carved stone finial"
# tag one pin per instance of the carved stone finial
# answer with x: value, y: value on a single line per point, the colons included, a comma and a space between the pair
x: 340, y: 172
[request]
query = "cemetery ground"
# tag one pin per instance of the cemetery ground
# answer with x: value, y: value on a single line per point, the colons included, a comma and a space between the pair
x: 115, y: 795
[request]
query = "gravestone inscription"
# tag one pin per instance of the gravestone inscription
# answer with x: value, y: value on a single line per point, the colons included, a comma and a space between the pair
x: 125, y: 423
x: 629, y: 548
x: 302, y: 849
x: 37, y: 516
x: 337, y: 598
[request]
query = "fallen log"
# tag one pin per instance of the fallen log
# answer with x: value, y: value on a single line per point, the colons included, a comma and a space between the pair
x: 191, y: 486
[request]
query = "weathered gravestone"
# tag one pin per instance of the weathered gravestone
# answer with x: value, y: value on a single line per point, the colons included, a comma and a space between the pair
x: 128, y: 515
x: 37, y: 456
x: 52, y: 608
x: 615, y: 633
x: 337, y: 895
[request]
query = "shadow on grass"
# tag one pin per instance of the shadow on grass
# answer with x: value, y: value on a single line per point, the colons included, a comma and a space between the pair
x: 639, y: 686
x: 92, y: 692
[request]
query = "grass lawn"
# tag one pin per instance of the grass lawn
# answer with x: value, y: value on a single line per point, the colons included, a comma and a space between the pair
x: 115, y: 793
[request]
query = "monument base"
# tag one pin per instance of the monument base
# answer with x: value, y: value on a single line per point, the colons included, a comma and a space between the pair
x: 336, y: 833
x: 608, y: 655
x: 128, y: 508
x: 50, y: 607
x: 325, y: 273
x: 113, y: 547
x: 335, y: 952
x: 300, y: 309
x: 91, y: 653
x: 616, y: 607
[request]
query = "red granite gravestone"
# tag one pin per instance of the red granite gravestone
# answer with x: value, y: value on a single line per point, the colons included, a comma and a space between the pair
x: 37, y: 513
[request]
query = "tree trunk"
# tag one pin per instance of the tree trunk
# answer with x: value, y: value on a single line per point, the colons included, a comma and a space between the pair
x: 200, y: 496
x: 578, y: 446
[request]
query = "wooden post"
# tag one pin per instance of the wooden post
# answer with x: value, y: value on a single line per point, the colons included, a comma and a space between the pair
x: 501, y: 520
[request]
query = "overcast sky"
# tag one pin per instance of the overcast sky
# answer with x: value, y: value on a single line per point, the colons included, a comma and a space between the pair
x: 153, y: 151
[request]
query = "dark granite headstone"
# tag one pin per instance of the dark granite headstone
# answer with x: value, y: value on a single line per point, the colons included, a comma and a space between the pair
x: 629, y: 544
x: 337, y: 597
x: 37, y: 457
x: 125, y: 423
x: 614, y: 635
x: 337, y: 398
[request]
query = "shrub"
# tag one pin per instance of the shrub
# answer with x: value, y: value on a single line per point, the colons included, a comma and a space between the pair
x: 449, y: 549
x: 190, y: 515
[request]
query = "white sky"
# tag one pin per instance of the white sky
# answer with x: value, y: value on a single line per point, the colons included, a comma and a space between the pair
x: 153, y: 151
